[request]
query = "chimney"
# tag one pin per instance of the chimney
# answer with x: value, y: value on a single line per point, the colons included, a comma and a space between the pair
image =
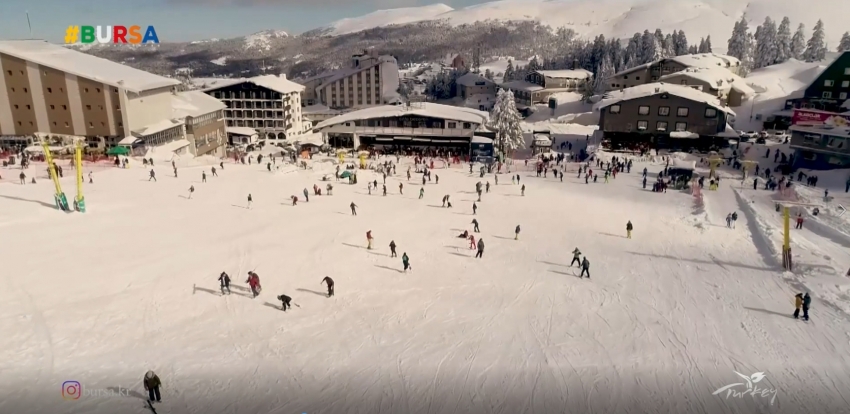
x: 281, y: 75
x: 657, y: 90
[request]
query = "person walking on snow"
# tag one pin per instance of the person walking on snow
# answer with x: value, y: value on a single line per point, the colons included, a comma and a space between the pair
x: 405, y: 261
x: 369, y: 240
x: 475, y: 223
x: 214, y: 174
x: 152, y: 176
x: 294, y: 200
x: 480, y: 253
x: 798, y: 303
x: 250, y: 200
x: 152, y: 384
x: 203, y: 176
x: 523, y: 190
x: 401, y: 189
x: 306, y: 195
x: 576, y: 257
x: 471, y: 242
x: 487, y: 187
x: 392, y: 249
x: 807, y: 302
x: 353, y: 208
x: 585, y: 268
x: 421, y: 192
x: 734, y: 218
x: 284, y: 302
x: 330, y: 283
x: 474, y: 208
x: 799, y: 221
x: 191, y: 191
x: 90, y: 180
x: 224, y: 280
x: 516, y: 233
x: 629, y: 229
x: 23, y: 178
x: 384, y: 186
x: 254, y: 282
x: 729, y: 221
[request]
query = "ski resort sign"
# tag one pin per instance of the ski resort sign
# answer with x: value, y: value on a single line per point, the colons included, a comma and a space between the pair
x: 747, y: 388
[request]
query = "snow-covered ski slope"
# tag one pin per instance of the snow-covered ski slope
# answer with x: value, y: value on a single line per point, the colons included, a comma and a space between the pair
x: 666, y: 319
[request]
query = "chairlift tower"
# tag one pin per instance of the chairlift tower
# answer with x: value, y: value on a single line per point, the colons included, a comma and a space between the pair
x: 787, y: 263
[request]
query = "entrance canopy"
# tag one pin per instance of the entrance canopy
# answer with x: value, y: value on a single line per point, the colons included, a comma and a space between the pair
x: 120, y: 150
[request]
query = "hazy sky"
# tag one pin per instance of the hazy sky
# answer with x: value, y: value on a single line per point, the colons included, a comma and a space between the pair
x: 181, y: 20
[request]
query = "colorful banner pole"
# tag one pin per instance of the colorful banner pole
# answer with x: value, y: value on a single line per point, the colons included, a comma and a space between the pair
x: 59, y: 197
x: 78, y: 162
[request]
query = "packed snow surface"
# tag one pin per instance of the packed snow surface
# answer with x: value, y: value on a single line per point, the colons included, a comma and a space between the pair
x: 667, y: 318
x: 623, y: 18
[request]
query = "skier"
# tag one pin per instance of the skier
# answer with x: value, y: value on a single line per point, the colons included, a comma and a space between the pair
x: 729, y: 221
x: 152, y: 384
x: 585, y: 268
x: 330, y: 283
x: 214, y: 174
x: 191, y: 191
x: 369, y: 240
x: 644, y: 182
x: 250, y: 200
x: 516, y: 233
x: 487, y: 186
x: 576, y: 257
x: 523, y: 190
x: 392, y: 249
x: 175, y: 172
x: 480, y: 253
x: 405, y: 261
x: 254, y: 282
x: 224, y: 279
x: 306, y: 195
x: 629, y: 229
x: 203, y: 176
x: 444, y: 200
x: 474, y: 208
x: 475, y: 223
x: 353, y: 208
x: 152, y: 176
x: 436, y: 178
x: 807, y: 301
x: 421, y: 192
x: 798, y: 303
x: 284, y: 302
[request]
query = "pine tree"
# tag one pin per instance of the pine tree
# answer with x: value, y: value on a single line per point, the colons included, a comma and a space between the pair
x: 533, y: 65
x: 476, y: 59
x: 844, y: 45
x: 509, y: 71
x: 701, y: 47
x: 681, y: 43
x: 747, y: 58
x: 816, y: 46
x: 488, y: 74
x: 766, y: 52
x: 693, y: 49
x: 798, y: 43
x: 737, y: 45
x: 505, y: 121
x: 603, y: 74
x: 631, y: 56
x: 649, y: 46
x: 783, y: 40
x: 669, y: 46
x: 615, y: 51
x: 598, y: 51
x: 708, y: 44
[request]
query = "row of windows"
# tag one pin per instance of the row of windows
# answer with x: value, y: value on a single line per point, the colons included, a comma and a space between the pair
x: 828, y: 95
x: 661, y: 126
x: 255, y: 124
x: 408, y: 123
x: 68, y: 125
x: 253, y: 114
x: 248, y: 95
x: 832, y: 142
x: 213, y: 136
x: 830, y: 83
x: 254, y: 105
x: 681, y: 111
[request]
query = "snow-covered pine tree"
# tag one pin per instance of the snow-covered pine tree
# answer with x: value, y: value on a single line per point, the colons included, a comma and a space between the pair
x: 681, y: 43
x: 737, y: 45
x: 747, y: 59
x: 488, y: 74
x: 649, y: 47
x: 603, y: 74
x: 533, y: 65
x: 669, y: 46
x: 631, y: 56
x: 798, y: 43
x: 783, y: 40
x: 701, y: 47
x: 598, y: 51
x: 505, y: 121
x: 509, y: 71
x: 844, y: 44
x: 693, y: 49
x: 816, y: 46
x: 615, y: 51
x: 766, y: 44
x: 708, y: 44
x: 659, y: 35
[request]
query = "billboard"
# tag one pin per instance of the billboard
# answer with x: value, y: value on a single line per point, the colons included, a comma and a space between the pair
x: 813, y: 117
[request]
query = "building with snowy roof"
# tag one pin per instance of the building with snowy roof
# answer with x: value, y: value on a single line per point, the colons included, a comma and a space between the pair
x: 829, y: 90
x: 663, y: 115
x: 370, y: 80
x: 540, y: 84
x: 413, y: 124
x: 653, y: 71
x: 270, y: 104
x: 730, y: 88
x: 472, y: 84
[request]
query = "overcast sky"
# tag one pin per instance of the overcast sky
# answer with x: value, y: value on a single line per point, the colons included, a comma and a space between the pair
x: 182, y: 20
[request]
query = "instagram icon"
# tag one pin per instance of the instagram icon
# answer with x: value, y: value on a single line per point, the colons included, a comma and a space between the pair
x: 72, y: 390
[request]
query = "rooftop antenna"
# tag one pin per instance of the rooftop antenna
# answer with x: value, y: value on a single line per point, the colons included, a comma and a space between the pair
x: 28, y: 22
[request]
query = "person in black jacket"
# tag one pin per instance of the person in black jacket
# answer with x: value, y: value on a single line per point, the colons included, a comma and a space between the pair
x: 330, y: 283
x: 629, y: 229
x: 152, y: 384
x: 480, y: 252
x: 224, y: 279
x: 285, y: 302
x: 392, y: 249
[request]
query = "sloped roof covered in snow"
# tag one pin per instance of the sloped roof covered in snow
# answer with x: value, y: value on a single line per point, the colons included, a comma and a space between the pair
x: 566, y: 74
x: 788, y: 79
x: 194, y: 103
x: 160, y: 126
x: 830, y: 60
x: 471, y: 78
x: 277, y: 83
x: 719, y: 78
x: 84, y: 65
x: 657, y: 88
x: 700, y: 60
x: 241, y: 131
x: 521, y: 85
x: 428, y: 109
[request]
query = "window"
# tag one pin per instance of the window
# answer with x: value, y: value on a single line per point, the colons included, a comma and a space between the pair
x: 54, y: 123
x: 684, y: 81
x: 681, y: 126
x: 614, y: 109
x: 827, y: 94
x: 845, y: 84
x: 661, y: 125
x: 91, y: 124
x: 65, y: 107
x: 10, y: 72
x: 88, y: 107
x: 49, y: 90
x: 120, y: 125
x: 637, y: 77
x: 812, y: 139
x: 467, y: 125
x: 641, y: 125
x: 87, y: 90
x: 847, y: 71
x: 52, y: 106
x: 16, y: 106
x: 682, y: 111
x: 842, y: 95
x: 835, y: 142
x: 710, y: 113
x: 624, y: 77
x: 663, y: 111
x: 643, y: 110
x: 97, y: 89
x: 29, y: 107
x: 829, y: 82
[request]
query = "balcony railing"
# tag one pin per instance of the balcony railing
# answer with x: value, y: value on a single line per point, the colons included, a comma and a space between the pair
x: 405, y: 131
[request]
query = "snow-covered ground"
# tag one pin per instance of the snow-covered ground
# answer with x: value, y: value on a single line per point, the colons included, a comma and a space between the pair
x: 262, y: 40
x: 667, y: 318
x: 222, y: 61
x: 498, y: 66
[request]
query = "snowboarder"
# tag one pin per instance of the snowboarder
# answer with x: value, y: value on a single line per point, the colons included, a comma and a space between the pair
x: 576, y: 257
x: 250, y: 200
x: 330, y: 283
x: 203, y: 176
x: 480, y: 252
x: 523, y: 190
x: 392, y: 249
x: 807, y: 301
x: 629, y: 229
x: 585, y: 268
x: 284, y: 302
x: 353, y: 208
x: 798, y: 303
x: 516, y: 233
x: 152, y: 176
x: 475, y: 223
x: 369, y: 240
x: 224, y: 279
x: 405, y: 261
x: 474, y: 208
x: 254, y: 282
x: 191, y: 191
x: 152, y: 384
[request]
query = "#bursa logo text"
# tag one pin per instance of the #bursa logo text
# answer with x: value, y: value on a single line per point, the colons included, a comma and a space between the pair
x: 110, y: 34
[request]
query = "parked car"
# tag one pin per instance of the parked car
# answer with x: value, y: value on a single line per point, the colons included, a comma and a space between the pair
x: 761, y: 140
x: 780, y: 135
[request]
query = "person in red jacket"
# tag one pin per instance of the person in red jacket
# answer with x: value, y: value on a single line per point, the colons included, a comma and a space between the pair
x: 799, y: 221
x: 254, y: 282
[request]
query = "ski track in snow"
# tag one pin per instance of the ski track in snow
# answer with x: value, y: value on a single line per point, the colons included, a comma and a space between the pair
x: 664, y: 321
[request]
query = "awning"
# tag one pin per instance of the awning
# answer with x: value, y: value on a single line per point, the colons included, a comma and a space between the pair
x: 121, y: 150
x: 241, y: 131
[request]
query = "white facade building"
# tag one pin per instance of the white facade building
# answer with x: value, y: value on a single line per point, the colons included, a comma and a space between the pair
x: 371, y: 80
